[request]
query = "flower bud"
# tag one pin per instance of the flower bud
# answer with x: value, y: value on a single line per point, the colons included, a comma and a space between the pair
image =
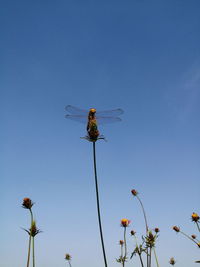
x: 176, y: 229
x: 157, y: 230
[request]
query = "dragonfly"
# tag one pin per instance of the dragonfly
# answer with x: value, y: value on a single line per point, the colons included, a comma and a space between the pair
x: 92, y: 119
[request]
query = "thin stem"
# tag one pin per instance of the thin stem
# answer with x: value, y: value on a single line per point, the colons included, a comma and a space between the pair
x: 98, y: 206
x: 146, y: 224
x: 31, y: 216
x: 150, y: 257
x: 198, y: 226
x: 144, y: 213
x: 122, y: 253
x: 33, y: 244
x: 125, y: 248
x: 141, y: 259
x: 70, y: 264
x: 156, y: 257
x: 139, y: 253
x: 29, y: 251
x: 29, y: 242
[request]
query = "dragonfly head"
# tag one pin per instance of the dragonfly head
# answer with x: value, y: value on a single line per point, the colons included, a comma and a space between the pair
x: 93, y: 110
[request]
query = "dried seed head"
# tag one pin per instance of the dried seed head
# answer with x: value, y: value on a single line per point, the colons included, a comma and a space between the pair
x: 125, y: 222
x: 68, y: 257
x: 27, y: 203
x: 176, y: 229
x: 134, y: 192
x: 195, y: 217
x: 194, y: 236
x: 157, y: 230
x: 172, y: 261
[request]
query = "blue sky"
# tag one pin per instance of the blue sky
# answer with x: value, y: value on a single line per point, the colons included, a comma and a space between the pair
x: 141, y: 56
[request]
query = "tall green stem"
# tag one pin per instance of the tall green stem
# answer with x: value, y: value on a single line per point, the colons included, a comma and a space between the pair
x: 29, y: 251
x: 98, y: 206
x: 33, y: 244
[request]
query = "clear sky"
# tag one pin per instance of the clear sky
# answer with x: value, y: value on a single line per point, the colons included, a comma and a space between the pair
x: 141, y: 56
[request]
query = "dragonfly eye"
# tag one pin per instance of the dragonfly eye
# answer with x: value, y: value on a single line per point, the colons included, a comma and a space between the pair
x: 93, y: 110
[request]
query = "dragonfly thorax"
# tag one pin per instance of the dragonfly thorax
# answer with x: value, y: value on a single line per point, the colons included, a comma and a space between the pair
x: 91, y: 114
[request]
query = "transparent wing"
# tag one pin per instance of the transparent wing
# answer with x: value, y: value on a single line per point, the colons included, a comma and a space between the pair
x: 100, y: 120
x: 105, y: 120
x: 79, y: 118
x: 76, y: 111
x: 110, y: 113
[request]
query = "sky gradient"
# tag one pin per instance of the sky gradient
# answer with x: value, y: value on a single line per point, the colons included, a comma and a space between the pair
x: 141, y: 56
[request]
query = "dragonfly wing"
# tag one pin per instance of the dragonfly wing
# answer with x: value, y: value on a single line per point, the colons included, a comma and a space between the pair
x: 76, y: 111
x: 104, y: 120
x: 79, y: 118
x: 110, y: 113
